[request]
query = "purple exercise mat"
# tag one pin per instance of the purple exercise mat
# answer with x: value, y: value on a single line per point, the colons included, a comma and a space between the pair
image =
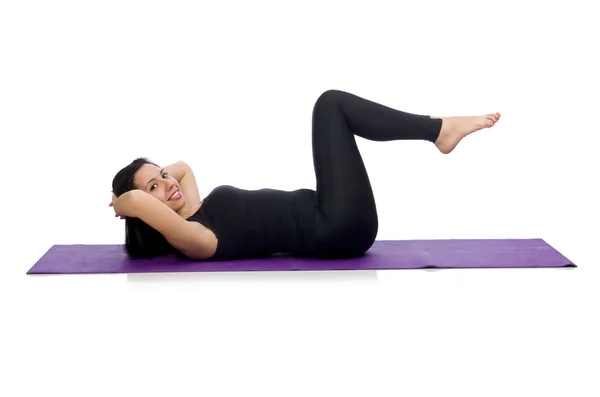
x: 384, y: 254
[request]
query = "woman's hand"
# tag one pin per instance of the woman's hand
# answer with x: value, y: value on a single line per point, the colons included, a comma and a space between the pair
x: 112, y: 204
x: 122, y: 204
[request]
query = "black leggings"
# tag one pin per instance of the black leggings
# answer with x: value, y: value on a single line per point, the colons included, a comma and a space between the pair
x: 346, y: 216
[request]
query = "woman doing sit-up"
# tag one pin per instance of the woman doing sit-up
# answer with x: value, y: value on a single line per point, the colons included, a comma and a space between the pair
x: 164, y: 212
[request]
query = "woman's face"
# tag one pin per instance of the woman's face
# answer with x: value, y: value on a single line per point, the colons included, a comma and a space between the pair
x: 159, y: 184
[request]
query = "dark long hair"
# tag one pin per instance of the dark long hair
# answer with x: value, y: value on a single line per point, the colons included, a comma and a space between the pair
x: 141, y: 240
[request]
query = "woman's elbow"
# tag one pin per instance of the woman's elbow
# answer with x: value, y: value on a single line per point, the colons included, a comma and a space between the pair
x: 199, y: 251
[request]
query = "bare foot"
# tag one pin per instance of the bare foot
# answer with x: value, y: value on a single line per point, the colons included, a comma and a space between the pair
x: 456, y: 128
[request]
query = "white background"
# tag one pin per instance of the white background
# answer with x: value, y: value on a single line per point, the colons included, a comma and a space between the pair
x: 229, y: 87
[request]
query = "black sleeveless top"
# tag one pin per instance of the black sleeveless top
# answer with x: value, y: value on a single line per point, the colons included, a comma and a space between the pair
x: 258, y: 223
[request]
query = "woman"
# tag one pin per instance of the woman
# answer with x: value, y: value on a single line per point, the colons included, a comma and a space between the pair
x: 164, y: 212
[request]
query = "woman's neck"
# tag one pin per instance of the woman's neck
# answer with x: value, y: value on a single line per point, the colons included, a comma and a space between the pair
x: 188, y: 210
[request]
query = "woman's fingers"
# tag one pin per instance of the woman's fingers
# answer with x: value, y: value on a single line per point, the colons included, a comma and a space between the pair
x: 112, y: 204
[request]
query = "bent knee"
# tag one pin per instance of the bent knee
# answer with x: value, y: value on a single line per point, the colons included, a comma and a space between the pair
x: 329, y: 96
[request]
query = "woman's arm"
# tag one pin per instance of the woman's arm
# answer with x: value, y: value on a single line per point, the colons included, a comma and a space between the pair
x: 177, y: 170
x: 194, y: 242
x: 184, y: 175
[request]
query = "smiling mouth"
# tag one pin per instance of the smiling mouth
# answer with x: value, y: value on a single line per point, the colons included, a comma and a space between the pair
x: 175, y: 196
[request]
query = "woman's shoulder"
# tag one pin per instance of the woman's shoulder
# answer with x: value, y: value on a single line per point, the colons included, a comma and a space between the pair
x: 225, y: 187
x: 222, y: 195
x: 222, y: 189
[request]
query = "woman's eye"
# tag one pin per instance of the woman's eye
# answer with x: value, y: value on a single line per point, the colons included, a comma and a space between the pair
x: 163, y: 175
